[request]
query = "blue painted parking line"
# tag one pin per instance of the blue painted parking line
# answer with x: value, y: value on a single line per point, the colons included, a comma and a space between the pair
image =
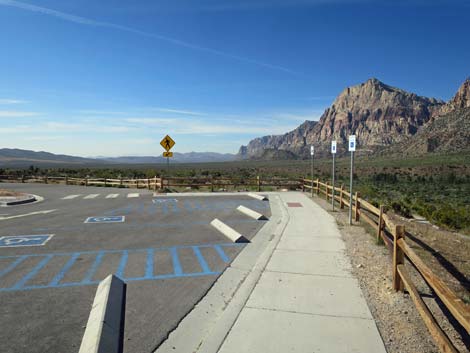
x: 177, y: 269
x: 19, y: 263
x: 106, y: 219
x: 222, y: 253
x: 24, y: 240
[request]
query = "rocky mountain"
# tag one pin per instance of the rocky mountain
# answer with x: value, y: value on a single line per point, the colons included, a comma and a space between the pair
x: 292, y: 141
x: 379, y: 115
x: 446, y: 132
x: 461, y: 99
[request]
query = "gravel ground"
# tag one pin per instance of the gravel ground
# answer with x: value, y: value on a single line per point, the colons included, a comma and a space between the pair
x: 399, y: 323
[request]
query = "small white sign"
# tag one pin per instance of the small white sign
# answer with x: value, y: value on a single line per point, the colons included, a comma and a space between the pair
x: 352, y: 143
x: 312, y: 150
x: 333, y: 147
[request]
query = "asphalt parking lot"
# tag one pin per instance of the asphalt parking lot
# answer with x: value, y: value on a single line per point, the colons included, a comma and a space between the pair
x: 163, y: 247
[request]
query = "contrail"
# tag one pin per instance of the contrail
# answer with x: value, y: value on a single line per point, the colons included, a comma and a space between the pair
x: 90, y: 22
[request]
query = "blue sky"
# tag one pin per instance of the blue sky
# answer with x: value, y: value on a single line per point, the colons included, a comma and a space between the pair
x: 112, y: 77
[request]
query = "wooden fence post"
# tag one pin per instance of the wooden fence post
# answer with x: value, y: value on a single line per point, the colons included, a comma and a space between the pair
x: 318, y: 186
x: 380, y: 224
x: 312, y: 186
x: 86, y: 181
x: 137, y: 183
x: 212, y: 184
x: 326, y: 189
x: 161, y: 183
x: 258, y: 180
x: 148, y: 183
x: 22, y: 178
x: 45, y: 179
x: 120, y: 182
x: 155, y: 185
x: 66, y: 180
x: 105, y: 182
x: 398, y: 257
x: 357, y: 207
x: 341, y: 203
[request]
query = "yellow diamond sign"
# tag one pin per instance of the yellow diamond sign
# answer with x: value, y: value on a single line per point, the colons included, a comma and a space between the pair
x: 167, y: 143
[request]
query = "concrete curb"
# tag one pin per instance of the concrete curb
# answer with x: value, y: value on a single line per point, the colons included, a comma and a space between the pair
x: 21, y: 201
x: 258, y: 197
x: 104, y: 332
x: 228, y: 231
x: 253, y: 214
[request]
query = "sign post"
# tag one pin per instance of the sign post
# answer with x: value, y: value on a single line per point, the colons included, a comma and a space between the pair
x: 312, y: 152
x: 352, y: 148
x: 333, y: 152
x: 167, y: 143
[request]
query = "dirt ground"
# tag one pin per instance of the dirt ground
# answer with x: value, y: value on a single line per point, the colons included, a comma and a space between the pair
x: 7, y: 193
x: 399, y: 323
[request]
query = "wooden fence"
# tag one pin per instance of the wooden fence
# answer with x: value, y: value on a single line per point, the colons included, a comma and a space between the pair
x: 155, y: 183
x: 393, y: 235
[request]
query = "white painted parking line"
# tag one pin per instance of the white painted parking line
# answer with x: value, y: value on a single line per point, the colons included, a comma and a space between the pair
x: 70, y: 197
x: 133, y: 195
x: 91, y: 196
x: 112, y: 196
x: 3, y: 218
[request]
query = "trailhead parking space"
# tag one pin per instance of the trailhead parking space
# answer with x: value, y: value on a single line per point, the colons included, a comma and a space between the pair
x: 163, y: 247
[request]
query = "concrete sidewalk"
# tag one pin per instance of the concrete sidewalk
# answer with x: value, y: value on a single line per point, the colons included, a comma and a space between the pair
x: 298, y: 296
x: 306, y: 299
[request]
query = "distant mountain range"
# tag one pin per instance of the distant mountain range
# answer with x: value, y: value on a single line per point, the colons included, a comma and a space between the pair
x: 384, y: 119
x: 191, y: 157
x: 24, y: 158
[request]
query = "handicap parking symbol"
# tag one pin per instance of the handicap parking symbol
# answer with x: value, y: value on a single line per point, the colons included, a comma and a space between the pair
x: 24, y: 240
x: 110, y: 219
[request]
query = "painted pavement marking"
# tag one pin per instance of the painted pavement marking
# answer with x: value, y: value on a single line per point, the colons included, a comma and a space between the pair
x: 24, y: 240
x: 112, y: 196
x: 132, y: 195
x: 89, y: 271
x: 108, y: 219
x: 4, y: 218
x: 70, y: 197
x: 91, y: 196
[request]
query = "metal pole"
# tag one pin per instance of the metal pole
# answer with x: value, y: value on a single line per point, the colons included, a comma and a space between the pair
x: 168, y: 165
x: 333, y: 185
x: 351, y: 188
x: 311, y: 172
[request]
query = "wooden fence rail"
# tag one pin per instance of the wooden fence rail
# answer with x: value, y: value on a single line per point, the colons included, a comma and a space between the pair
x: 160, y: 183
x: 393, y: 235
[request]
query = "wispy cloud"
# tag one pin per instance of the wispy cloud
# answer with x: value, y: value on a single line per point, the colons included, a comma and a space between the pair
x: 182, y: 112
x: 16, y: 114
x: 12, y: 101
x: 90, y: 22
